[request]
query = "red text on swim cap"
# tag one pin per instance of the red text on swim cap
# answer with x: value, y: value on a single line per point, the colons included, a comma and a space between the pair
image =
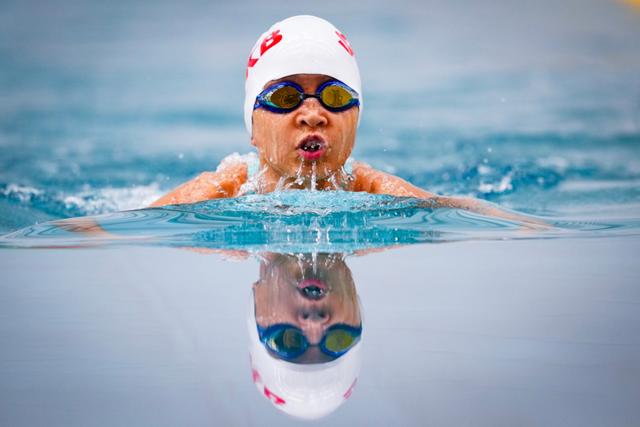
x: 255, y: 376
x: 344, y: 43
x: 277, y: 400
x: 347, y: 394
x: 270, y: 41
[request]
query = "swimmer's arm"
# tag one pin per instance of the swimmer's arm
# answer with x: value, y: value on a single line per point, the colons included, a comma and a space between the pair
x: 225, y: 182
x: 483, y: 208
x: 85, y: 225
x: 376, y: 182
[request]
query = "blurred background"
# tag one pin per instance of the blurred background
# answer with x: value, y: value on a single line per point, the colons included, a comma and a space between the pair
x: 531, y: 104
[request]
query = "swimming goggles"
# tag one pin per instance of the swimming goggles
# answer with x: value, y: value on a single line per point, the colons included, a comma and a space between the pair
x: 288, y: 342
x: 285, y: 97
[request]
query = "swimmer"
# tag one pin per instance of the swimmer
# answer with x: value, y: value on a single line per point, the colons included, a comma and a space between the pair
x: 303, y: 104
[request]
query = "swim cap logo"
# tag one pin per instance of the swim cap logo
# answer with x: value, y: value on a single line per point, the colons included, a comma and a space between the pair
x: 274, y: 398
x: 347, y: 394
x: 270, y: 41
x: 344, y: 43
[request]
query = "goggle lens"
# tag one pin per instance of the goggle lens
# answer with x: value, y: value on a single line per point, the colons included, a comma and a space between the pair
x: 286, y: 97
x: 335, y: 96
x: 289, y: 341
x: 338, y: 341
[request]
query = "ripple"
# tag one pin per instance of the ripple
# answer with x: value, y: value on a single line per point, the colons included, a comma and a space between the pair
x: 295, y: 221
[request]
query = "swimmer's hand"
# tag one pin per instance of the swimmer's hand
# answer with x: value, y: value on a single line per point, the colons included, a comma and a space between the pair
x: 484, y: 208
x: 224, y: 182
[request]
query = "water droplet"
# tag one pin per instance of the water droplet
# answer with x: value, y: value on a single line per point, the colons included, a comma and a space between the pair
x: 313, y: 176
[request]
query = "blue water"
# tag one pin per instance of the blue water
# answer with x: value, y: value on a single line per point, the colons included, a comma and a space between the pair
x: 301, y: 221
x: 545, y: 124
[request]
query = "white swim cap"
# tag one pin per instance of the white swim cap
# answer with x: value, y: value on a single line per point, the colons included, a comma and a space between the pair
x: 308, y: 391
x: 301, y: 44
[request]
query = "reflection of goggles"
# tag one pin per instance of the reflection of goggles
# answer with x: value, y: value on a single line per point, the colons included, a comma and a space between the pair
x: 287, y: 96
x: 288, y: 342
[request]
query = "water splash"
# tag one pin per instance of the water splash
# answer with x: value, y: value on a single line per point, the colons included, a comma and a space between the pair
x: 314, y: 176
x: 299, y: 178
x: 314, y: 261
x: 333, y: 182
x: 280, y: 186
x: 86, y: 201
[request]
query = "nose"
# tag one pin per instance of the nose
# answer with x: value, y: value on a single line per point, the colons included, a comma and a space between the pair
x: 313, y: 323
x: 312, y: 114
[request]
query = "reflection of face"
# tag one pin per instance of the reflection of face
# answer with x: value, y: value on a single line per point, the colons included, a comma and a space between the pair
x: 278, y: 136
x: 307, y: 294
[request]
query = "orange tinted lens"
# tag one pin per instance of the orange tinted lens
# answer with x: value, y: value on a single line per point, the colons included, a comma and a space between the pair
x: 287, y: 341
x: 285, y: 97
x: 338, y: 340
x: 335, y: 96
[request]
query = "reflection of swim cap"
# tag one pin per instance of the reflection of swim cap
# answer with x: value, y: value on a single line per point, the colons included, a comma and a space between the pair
x: 301, y: 44
x: 308, y: 391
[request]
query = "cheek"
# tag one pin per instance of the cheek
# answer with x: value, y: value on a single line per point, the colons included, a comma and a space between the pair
x: 269, y: 135
x: 348, y: 124
x: 347, y: 134
x: 344, y: 309
x: 274, y: 304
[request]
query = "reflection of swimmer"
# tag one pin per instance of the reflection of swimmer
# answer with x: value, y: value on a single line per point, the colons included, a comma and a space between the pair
x: 303, y: 102
x: 305, y: 329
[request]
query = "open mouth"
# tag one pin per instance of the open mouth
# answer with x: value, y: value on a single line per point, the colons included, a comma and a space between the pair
x: 313, y: 289
x: 312, y: 147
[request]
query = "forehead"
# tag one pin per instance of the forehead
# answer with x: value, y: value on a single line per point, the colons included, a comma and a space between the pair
x: 306, y: 81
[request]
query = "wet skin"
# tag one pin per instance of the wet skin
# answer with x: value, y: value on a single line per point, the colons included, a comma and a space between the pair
x: 277, y: 137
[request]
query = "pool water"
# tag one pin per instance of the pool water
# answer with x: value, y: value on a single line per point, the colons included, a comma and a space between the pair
x: 466, y: 320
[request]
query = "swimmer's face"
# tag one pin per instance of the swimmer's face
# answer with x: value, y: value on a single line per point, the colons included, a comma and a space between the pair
x: 278, y: 137
x: 291, y: 290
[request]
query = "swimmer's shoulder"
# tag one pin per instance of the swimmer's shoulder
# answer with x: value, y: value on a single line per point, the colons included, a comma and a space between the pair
x: 371, y: 180
x: 226, y: 181
x: 235, y: 170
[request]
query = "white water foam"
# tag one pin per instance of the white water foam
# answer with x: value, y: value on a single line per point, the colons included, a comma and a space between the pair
x: 504, y: 185
x: 109, y: 199
x: 23, y: 193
